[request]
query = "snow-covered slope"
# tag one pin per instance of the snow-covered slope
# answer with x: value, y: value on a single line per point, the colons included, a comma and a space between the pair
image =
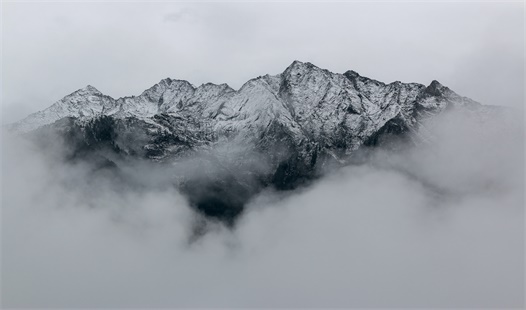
x: 84, y: 103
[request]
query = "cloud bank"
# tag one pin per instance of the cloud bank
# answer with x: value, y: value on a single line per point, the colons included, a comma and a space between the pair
x: 437, y: 225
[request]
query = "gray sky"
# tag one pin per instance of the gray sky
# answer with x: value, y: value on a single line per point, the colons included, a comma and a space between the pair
x: 52, y: 49
x: 438, y: 225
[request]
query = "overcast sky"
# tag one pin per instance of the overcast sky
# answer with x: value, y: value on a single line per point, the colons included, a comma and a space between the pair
x: 436, y: 225
x: 52, y: 49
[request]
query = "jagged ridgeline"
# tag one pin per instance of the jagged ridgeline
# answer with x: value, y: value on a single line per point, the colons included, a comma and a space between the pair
x: 221, y: 146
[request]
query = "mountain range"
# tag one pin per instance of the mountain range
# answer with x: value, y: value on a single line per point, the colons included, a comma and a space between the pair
x: 222, y: 146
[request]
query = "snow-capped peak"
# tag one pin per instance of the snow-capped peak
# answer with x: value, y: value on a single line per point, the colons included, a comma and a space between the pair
x: 90, y: 89
x: 436, y: 89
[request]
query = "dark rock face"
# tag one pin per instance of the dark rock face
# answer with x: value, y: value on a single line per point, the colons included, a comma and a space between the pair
x: 394, y: 129
x: 277, y: 131
x: 222, y: 198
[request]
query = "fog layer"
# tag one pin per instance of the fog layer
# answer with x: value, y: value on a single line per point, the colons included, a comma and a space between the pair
x: 437, y: 225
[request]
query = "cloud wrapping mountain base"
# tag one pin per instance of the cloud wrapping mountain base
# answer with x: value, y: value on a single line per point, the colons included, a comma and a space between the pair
x: 437, y: 225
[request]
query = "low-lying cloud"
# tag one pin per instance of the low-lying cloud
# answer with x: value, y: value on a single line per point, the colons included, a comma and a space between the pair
x: 437, y: 225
